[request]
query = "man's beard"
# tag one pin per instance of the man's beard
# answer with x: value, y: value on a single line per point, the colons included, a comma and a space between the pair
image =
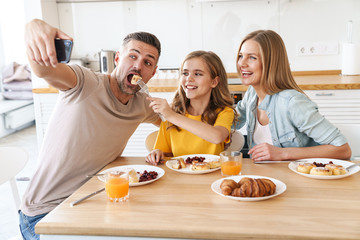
x: 123, y: 88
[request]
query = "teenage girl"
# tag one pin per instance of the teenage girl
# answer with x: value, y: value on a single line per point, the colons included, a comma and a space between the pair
x: 200, y: 117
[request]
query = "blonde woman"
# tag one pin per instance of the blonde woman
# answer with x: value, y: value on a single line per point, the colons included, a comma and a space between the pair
x: 201, y: 115
x: 282, y: 122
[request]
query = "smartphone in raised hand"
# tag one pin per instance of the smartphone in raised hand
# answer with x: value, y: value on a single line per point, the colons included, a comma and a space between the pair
x: 63, y: 50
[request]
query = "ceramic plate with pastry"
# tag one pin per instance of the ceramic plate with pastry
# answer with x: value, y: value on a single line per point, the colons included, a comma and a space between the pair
x: 135, y: 172
x: 326, y: 168
x: 195, y: 163
x: 248, y: 187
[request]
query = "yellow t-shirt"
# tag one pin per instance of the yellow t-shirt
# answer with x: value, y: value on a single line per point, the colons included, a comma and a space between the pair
x: 184, y: 142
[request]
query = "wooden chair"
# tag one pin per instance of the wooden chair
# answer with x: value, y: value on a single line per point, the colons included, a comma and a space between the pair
x: 150, y: 140
x: 237, y: 141
x: 12, y: 161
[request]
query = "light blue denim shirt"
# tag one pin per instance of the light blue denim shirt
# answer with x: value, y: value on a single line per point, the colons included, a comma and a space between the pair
x: 294, y: 120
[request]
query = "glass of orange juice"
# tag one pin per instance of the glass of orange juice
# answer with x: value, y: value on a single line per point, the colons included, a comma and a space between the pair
x: 231, y: 163
x: 117, y: 186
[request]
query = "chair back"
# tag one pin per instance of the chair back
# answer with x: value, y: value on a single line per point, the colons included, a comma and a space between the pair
x: 12, y: 161
x: 150, y: 140
x: 352, y: 134
x: 237, y: 141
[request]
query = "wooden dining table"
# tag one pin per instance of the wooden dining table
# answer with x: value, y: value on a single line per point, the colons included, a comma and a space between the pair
x: 182, y: 205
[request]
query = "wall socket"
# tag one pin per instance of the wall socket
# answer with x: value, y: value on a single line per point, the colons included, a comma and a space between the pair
x: 317, y: 48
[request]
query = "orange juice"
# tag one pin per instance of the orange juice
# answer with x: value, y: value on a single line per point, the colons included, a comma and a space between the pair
x: 117, y: 188
x: 231, y: 167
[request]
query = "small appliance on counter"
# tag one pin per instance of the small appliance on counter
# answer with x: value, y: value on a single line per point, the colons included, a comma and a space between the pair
x: 107, y: 61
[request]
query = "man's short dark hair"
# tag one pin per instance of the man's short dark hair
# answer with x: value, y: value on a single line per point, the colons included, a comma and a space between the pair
x: 145, y: 37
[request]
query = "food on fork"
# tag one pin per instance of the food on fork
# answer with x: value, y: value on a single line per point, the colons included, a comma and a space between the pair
x: 199, y: 166
x: 321, y: 171
x: 135, y: 79
x: 305, y: 167
x: 336, y: 169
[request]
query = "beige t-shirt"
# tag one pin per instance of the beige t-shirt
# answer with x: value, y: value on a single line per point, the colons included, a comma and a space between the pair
x: 88, y: 129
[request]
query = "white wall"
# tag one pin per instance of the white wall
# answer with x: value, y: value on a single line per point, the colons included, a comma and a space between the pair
x: 186, y: 25
x: 12, y: 22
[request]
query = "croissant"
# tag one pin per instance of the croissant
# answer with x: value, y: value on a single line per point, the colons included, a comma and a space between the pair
x: 227, y: 186
x: 248, y: 187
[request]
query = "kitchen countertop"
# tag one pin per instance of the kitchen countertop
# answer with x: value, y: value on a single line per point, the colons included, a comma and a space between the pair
x: 184, y: 206
x: 310, y: 80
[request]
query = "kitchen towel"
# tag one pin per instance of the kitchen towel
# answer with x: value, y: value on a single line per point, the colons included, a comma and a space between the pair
x: 350, y: 59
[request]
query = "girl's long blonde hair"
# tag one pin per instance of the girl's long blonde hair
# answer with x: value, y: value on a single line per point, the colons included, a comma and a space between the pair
x: 220, y: 95
x: 276, y: 73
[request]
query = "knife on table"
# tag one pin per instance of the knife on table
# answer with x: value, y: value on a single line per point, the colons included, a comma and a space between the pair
x: 86, y: 197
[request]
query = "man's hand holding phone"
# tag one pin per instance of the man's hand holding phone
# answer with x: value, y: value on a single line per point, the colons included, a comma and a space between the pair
x: 40, y: 44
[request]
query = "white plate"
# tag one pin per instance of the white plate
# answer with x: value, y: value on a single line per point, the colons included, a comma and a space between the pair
x: 293, y: 166
x: 187, y: 170
x: 280, y: 188
x: 137, y: 168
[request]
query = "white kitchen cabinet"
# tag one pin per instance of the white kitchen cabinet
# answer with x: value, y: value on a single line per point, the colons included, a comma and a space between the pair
x: 342, y: 108
x: 338, y: 106
x: 44, y: 106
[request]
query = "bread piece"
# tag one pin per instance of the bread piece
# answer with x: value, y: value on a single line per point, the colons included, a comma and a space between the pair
x: 229, y: 182
x: 215, y: 164
x: 262, y: 188
x: 133, y: 176
x: 176, y: 165
x: 305, y: 167
x: 226, y: 190
x: 250, y: 187
x: 320, y: 171
x: 135, y: 78
x: 336, y: 169
x: 182, y: 162
x: 199, y: 166
x: 271, y: 184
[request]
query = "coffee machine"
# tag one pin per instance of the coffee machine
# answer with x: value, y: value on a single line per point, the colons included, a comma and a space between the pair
x: 107, y: 61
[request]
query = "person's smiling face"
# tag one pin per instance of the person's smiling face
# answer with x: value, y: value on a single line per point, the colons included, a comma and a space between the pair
x: 249, y: 63
x: 196, y: 79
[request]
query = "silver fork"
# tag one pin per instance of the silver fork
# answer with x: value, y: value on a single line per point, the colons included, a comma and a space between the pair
x: 351, y: 166
x: 144, y: 88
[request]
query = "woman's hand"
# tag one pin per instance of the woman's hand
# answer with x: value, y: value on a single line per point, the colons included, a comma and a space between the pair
x: 154, y: 157
x: 266, y: 152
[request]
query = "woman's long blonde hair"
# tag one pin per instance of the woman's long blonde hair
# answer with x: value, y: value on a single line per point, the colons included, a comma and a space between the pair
x: 276, y: 73
x: 220, y: 95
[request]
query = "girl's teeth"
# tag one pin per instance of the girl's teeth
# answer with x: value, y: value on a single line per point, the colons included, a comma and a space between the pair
x: 246, y: 73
